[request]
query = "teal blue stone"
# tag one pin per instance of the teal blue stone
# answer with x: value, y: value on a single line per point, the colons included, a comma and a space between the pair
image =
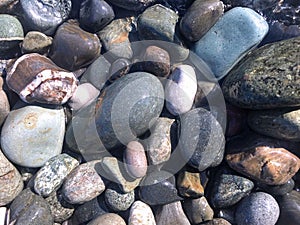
x: 235, y: 34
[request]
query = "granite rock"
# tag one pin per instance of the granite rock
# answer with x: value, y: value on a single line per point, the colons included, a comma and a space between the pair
x: 141, y: 214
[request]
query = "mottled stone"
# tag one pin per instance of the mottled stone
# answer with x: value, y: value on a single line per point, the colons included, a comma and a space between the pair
x: 278, y: 189
x: 95, y: 15
x: 28, y: 208
x: 217, y: 221
x: 230, y: 39
x: 289, y: 205
x: 31, y: 135
x: 198, y: 210
x: 141, y: 214
x: 189, y: 184
x: 181, y: 89
x: 116, y: 200
x: 228, y: 188
x: 267, y: 78
x: 11, y: 183
x: 201, y: 139
x: 278, y: 123
x: 200, y: 17
x: 108, y: 219
x: 135, y: 159
x: 258, y: 208
x: 135, y: 5
x: 158, y: 145
x: 63, y: 53
x: 141, y: 98
x: 158, y: 188
x: 51, y: 176
x: 273, y: 166
x: 119, y: 68
x: 171, y: 214
x: 36, y: 42
x: 83, y: 183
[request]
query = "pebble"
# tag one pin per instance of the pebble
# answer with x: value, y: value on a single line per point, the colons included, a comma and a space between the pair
x: 63, y: 53
x: 94, y: 15
x: 44, y: 16
x: 257, y: 209
x: 189, y: 184
x: 11, y: 183
x: 278, y: 189
x: 108, y: 219
x: 273, y: 166
x: 141, y: 97
x: 181, y: 89
x: 199, y: 18
x: 217, y: 221
x: 83, y: 183
x: 266, y: 78
x: 198, y: 210
x: 141, y: 214
x: 4, y: 103
x: 119, y: 68
x: 236, y: 120
x: 201, y: 139
x: 135, y: 160
x: 51, y: 176
x: 31, y: 135
x: 171, y: 214
x: 158, y: 145
x: 29, y: 208
x: 116, y: 200
x: 158, y: 188
x: 228, y: 188
x: 36, y: 42
x: 278, y: 123
x: 236, y: 33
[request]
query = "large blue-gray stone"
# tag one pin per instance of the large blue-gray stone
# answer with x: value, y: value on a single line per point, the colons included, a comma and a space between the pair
x: 230, y: 39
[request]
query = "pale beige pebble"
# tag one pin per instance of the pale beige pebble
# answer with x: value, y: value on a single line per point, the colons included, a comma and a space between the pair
x: 141, y: 214
x: 3, y: 211
x: 108, y: 219
x: 4, y: 106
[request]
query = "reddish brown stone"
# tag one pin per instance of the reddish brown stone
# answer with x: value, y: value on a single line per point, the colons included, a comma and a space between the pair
x: 273, y: 166
x: 189, y: 184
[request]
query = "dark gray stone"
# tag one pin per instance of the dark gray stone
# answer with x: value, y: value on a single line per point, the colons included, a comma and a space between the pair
x: 135, y: 5
x: 278, y: 189
x: 289, y: 208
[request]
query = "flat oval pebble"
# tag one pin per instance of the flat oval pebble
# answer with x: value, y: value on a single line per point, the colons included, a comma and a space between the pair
x: 181, y: 89
x: 237, y: 32
x: 83, y: 184
x: 258, y: 208
x: 135, y: 159
x: 141, y: 214
x: 36, y: 42
x: 31, y: 135
x: 11, y: 183
x: 278, y: 123
x: 140, y: 96
x: 200, y: 17
x: 267, y: 78
x: 201, y: 139
x: 108, y: 219
x: 51, y: 176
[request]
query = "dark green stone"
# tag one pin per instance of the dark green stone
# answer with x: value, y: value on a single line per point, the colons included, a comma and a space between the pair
x: 267, y: 78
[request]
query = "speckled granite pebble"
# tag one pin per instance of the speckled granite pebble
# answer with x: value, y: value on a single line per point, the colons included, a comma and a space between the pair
x: 141, y: 214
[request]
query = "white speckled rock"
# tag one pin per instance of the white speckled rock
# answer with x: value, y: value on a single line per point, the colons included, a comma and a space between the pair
x: 51, y: 176
x: 31, y: 135
x: 141, y: 214
x: 181, y: 89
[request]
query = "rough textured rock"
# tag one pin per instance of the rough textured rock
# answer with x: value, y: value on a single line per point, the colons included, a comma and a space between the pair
x: 189, y: 184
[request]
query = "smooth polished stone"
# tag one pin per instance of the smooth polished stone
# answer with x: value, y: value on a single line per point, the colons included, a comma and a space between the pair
x: 267, y: 78
x: 119, y: 68
x: 135, y: 5
x: 236, y: 33
x: 4, y: 103
x: 200, y: 17
x: 36, y: 42
x: 63, y: 53
x: 278, y: 123
x: 44, y: 16
x: 140, y: 95
x: 258, y: 208
x: 141, y: 214
x: 171, y: 214
x: 189, y: 184
x: 95, y: 15
x: 289, y: 205
x: 201, y: 139
x: 278, y: 189
x: 31, y: 135
x: 108, y: 219
x: 180, y: 90
x: 11, y: 183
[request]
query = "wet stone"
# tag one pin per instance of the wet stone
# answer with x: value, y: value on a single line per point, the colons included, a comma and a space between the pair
x: 11, y: 183
x: 200, y: 17
x: 189, y: 184
x: 141, y: 214
x: 257, y: 208
x: 267, y: 78
x: 51, y: 176
x: 108, y: 219
x: 27, y: 204
x: 36, y: 42
x: 136, y: 5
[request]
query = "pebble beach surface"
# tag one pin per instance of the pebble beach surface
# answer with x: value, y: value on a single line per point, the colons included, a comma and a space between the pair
x: 149, y: 112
